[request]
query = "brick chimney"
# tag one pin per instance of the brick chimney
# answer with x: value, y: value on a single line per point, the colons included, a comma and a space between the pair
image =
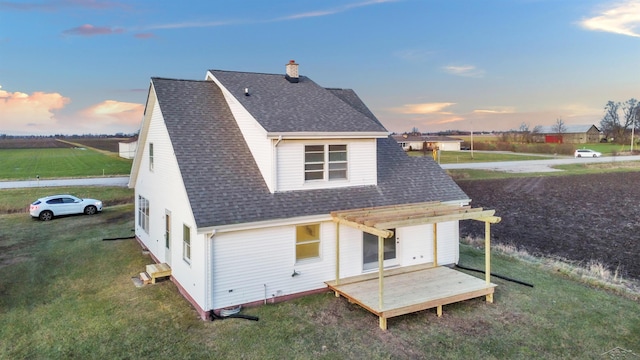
x: 292, y: 72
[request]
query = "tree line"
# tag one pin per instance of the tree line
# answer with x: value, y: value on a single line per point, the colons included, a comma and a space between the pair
x: 617, y: 128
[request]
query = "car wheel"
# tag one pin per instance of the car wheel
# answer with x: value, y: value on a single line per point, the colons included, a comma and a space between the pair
x: 594, y: 155
x: 579, y: 155
x: 46, y: 215
x: 90, y: 210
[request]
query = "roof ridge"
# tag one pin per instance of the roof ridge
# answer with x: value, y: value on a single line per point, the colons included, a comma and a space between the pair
x: 174, y: 79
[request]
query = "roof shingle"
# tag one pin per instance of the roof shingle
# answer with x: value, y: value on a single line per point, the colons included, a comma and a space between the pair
x: 222, y: 180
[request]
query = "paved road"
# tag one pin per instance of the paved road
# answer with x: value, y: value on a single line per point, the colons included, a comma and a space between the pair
x: 537, y: 165
x: 106, y: 181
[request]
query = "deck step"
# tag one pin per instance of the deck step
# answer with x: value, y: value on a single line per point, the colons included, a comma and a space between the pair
x: 156, y: 271
x: 146, y: 279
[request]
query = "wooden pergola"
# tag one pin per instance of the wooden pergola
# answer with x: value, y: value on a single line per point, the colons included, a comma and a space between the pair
x: 407, y: 291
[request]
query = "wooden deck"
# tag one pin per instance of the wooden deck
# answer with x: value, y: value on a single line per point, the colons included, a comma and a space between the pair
x: 411, y: 289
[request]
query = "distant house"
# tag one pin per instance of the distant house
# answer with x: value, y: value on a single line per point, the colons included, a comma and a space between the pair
x: 253, y: 188
x: 573, y: 134
x: 415, y: 142
x: 127, y: 149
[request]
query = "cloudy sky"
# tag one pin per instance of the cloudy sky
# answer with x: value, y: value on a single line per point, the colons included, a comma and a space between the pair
x: 83, y: 66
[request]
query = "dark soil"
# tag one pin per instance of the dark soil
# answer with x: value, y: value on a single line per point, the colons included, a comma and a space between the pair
x: 32, y: 143
x: 108, y: 144
x: 580, y: 218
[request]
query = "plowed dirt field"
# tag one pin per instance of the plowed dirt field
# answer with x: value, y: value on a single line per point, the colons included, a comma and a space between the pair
x: 581, y: 217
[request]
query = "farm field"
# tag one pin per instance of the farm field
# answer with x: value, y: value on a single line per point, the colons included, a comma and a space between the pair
x: 580, y: 218
x: 106, y: 144
x: 65, y: 162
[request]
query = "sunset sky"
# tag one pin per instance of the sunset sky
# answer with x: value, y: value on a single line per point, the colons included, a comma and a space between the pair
x: 84, y: 66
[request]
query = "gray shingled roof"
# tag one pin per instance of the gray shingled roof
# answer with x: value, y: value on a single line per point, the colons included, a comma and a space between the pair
x: 281, y: 106
x: 568, y: 129
x: 225, y: 187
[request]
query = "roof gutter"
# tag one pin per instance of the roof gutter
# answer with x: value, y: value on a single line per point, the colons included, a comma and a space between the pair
x: 274, y: 172
x: 289, y: 221
x: 263, y: 224
x: 326, y: 135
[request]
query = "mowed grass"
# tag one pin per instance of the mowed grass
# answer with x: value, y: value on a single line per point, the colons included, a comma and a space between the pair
x: 65, y: 293
x: 13, y: 200
x: 569, y: 169
x: 454, y: 157
x: 26, y: 164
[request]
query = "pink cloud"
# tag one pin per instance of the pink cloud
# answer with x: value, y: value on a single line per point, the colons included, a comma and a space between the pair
x: 114, y: 113
x: 90, y: 30
x: 43, y: 113
x: 36, y: 111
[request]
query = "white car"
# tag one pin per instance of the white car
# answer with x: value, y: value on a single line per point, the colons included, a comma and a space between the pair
x: 48, y: 207
x: 586, y: 153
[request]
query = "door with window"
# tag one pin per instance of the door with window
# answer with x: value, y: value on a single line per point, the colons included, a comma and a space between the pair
x: 167, y: 237
x: 370, y: 252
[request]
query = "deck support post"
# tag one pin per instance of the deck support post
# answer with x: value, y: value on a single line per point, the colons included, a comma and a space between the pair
x: 381, y: 274
x: 439, y: 311
x: 487, y: 257
x: 435, y: 244
x: 383, y: 323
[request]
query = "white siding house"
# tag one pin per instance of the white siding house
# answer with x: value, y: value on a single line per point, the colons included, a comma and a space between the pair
x: 237, y: 177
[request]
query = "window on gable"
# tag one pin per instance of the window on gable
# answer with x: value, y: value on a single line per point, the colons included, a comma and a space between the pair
x: 307, y: 241
x: 150, y: 156
x: 325, y: 162
x: 337, y: 162
x: 143, y: 213
x: 314, y: 162
x: 186, y: 243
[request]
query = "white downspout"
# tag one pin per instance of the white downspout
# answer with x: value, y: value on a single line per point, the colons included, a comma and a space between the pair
x: 209, y: 286
x: 275, y: 164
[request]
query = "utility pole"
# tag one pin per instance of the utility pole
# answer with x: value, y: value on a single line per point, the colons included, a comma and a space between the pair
x: 633, y: 125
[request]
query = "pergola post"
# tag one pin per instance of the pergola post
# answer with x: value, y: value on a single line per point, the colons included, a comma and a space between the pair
x: 487, y: 257
x: 380, y: 272
x: 337, y: 256
x: 435, y: 244
x: 383, y: 321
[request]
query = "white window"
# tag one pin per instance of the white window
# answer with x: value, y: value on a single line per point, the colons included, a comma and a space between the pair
x: 325, y: 162
x: 151, y: 156
x: 186, y: 243
x: 337, y: 162
x: 143, y: 213
x: 307, y: 241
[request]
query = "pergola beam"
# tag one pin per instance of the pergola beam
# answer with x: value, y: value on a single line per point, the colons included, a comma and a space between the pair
x: 415, y: 214
x: 368, y: 229
x: 394, y: 223
x: 367, y: 211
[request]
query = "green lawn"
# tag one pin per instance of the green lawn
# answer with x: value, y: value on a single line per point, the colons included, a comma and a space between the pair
x: 26, y: 164
x: 570, y: 169
x: 18, y: 200
x: 606, y: 149
x: 65, y: 293
x: 454, y: 157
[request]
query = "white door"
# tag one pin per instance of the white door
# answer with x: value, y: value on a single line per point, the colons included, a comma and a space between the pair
x: 167, y: 237
x: 370, y: 252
